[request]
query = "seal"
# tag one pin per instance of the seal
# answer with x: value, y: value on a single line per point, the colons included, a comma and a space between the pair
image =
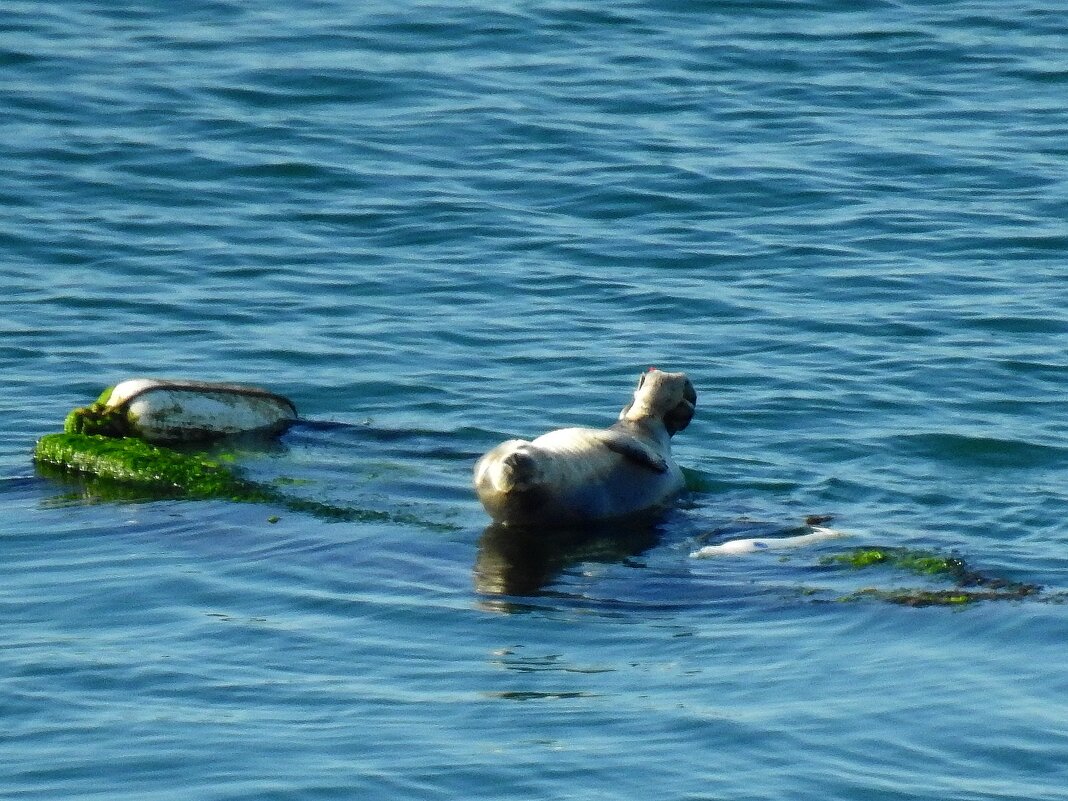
x: 577, y: 475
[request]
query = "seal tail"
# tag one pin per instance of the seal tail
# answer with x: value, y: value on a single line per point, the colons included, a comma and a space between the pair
x: 508, y: 467
x: 518, y: 470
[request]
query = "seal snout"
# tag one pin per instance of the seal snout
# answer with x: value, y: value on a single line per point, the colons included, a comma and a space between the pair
x: 679, y: 417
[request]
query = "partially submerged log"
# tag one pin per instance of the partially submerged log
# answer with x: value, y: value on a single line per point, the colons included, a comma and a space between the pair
x: 163, y: 411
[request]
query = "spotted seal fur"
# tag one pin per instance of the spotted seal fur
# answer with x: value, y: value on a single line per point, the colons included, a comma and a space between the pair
x: 576, y: 475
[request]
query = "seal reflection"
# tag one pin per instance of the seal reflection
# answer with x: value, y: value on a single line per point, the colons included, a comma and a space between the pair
x: 522, y: 560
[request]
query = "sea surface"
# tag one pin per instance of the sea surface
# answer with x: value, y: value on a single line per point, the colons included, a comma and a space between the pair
x: 437, y: 225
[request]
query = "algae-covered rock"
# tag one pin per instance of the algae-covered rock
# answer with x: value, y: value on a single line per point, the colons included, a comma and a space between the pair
x: 133, y: 462
x: 163, y: 411
x: 921, y: 562
x: 945, y: 597
x: 132, y: 465
x: 934, y: 566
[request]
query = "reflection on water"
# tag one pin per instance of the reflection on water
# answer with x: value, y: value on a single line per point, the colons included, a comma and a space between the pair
x: 520, y: 561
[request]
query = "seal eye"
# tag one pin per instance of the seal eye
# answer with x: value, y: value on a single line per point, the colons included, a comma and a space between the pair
x: 641, y: 380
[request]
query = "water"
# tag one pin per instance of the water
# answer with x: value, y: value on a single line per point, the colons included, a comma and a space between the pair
x: 435, y: 226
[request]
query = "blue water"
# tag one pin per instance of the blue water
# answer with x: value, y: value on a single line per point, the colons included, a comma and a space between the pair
x: 438, y: 225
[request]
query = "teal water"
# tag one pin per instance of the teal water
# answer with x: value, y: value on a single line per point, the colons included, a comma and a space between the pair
x: 435, y: 226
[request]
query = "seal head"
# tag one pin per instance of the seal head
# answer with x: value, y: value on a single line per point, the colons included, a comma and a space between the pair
x: 666, y: 397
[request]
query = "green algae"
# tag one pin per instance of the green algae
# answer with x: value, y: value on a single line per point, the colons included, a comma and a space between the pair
x: 137, y: 464
x: 931, y: 565
x: 98, y: 419
x: 127, y: 468
x: 920, y: 562
x: 945, y: 597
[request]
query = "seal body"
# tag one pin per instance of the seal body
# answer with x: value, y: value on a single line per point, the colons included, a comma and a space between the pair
x: 575, y: 475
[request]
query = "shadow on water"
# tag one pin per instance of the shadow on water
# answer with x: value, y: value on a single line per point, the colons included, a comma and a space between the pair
x: 521, y: 561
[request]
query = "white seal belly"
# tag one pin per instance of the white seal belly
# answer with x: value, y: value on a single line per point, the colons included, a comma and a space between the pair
x: 573, y: 475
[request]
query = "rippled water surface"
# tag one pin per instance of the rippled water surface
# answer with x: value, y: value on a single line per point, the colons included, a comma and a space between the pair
x: 436, y: 226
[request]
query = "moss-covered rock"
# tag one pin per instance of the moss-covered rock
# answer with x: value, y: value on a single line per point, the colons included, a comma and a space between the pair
x: 931, y: 565
x: 128, y: 468
x: 945, y: 597
x: 921, y: 562
x: 133, y: 462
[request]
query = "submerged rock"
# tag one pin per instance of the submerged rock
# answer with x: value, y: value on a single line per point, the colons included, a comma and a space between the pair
x: 933, y: 565
x: 128, y: 467
x: 947, y: 597
x: 154, y: 469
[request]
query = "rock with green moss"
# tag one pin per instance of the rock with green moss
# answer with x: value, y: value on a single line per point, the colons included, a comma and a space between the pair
x: 944, y: 597
x: 931, y: 565
x: 135, y: 463
x: 161, y: 411
x: 127, y: 468
x: 921, y: 562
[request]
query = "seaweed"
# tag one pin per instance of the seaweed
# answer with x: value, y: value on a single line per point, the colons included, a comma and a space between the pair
x: 98, y: 418
x: 134, y: 462
x: 921, y: 562
x: 130, y: 468
x: 930, y: 564
x: 947, y: 597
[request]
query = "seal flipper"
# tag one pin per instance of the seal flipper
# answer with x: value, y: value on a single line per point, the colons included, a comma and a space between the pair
x: 630, y: 447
